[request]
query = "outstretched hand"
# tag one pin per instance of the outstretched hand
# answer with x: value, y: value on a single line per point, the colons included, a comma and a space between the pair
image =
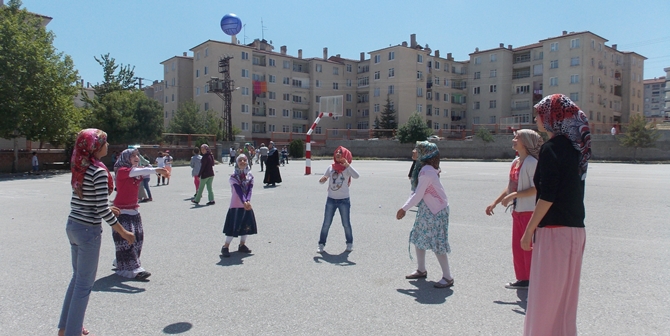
x: 400, y: 214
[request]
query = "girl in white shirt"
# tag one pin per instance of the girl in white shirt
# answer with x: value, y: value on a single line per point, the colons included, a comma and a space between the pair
x: 431, y: 227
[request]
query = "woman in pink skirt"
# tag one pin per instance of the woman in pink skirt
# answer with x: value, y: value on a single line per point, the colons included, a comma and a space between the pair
x: 556, y: 228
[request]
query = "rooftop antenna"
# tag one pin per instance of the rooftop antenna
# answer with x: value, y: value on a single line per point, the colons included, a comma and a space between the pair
x: 263, y: 29
x: 244, y: 26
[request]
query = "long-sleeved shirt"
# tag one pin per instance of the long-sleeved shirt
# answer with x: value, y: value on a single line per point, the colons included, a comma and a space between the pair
x: 430, y: 190
x: 195, y: 164
x: 206, y: 166
x: 94, y: 205
x: 338, y: 187
x: 127, y: 185
x: 239, y: 197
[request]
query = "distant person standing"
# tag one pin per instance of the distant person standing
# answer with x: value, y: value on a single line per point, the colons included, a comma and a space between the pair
x: 168, y: 165
x: 206, y: 175
x: 613, y: 130
x: 160, y: 163
x: 232, y: 154
x: 195, y: 169
x: 36, y: 164
x: 263, y: 154
x: 284, y: 156
x: 272, y: 174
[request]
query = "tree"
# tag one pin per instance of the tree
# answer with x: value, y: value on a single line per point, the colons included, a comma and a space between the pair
x: 639, y: 134
x: 37, y: 83
x: 296, y: 148
x: 188, y: 119
x: 128, y: 116
x: 485, y: 135
x: 388, y: 119
x: 414, y: 130
x: 124, y: 79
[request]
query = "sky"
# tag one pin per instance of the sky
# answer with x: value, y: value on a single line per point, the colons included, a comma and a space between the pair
x: 143, y: 33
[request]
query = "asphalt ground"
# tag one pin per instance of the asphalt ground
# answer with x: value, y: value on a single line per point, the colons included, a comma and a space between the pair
x: 284, y: 287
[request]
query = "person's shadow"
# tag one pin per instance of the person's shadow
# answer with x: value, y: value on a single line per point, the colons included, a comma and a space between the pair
x: 425, y: 293
x: 116, y: 284
x: 341, y: 259
x: 522, y: 294
x: 234, y: 259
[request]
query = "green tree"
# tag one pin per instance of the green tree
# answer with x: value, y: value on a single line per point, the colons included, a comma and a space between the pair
x: 414, y: 130
x: 388, y: 118
x: 113, y: 80
x: 485, y: 135
x: 128, y: 116
x: 188, y: 119
x: 37, y: 83
x: 640, y: 134
x: 296, y: 148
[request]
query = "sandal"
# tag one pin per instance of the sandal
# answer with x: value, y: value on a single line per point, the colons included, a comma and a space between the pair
x: 417, y: 275
x: 448, y: 283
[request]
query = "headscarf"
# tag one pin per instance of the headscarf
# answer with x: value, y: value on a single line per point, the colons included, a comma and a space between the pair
x: 207, y: 150
x: 425, y: 150
x: 346, y: 154
x: 124, y: 159
x: 242, y: 177
x: 273, y: 149
x: 89, y: 142
x: 560, y: 116
x: 531, y: 140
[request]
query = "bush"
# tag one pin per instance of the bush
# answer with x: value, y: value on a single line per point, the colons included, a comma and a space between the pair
x: 485, y: 135
x: 296, y: 148
x: 414, y: 130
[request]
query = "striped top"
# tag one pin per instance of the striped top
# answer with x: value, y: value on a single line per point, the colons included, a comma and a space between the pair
x: 95, y: 203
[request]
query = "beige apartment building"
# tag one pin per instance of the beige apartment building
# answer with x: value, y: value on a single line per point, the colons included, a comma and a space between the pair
x: 506, y: 82
x: 654, y: 97
x: 178, y: 84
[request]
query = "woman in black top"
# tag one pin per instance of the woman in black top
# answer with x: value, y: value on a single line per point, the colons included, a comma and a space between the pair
x: 272, y: 174
x: 557, y: 225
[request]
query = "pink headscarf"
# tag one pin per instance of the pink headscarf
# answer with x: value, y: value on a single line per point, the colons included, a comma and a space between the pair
x: 338, y: 167
x: 89, y: 141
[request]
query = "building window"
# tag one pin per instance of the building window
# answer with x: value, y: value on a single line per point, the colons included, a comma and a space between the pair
x: 286, y: 96
x: 376, y: 108
x: 492, y: 104
x: 391, y: 89
x: 419, y: 58
x: 197, y: 91
x: 574, y: 43
x: 446, y: 97
x: 476, y: 90
x: 335, y: 86
x: 272, y: 112
x: 318, y: 68
x: 574, y: 79
x: 574, y: 96
x: 492, y: 119
x: 285, y: 114
x: 348, y: 82
x: 419, y: 75
x: 348, y: 67
x: 336, y: 71
x: 574, y: 61
x: 245, y: 73
x: 378, y: 58
x: 245, y: 108
x: 478, y: 75
x: 173, y: 97
x: 205, y: 72
x: 553, y: 64
x: 553, y: 81
x: 391, y: 72
x: 478, y: 60
x: 245, y: 55
x: 273, y: 79
x: 206, y: 106
x: 174, y: 65
x: 494, y: 57
x: 286, y: 64
x: 317, y: 83
x: 437, y: 65
x: 245, y: 91
x: 245, y: 126
x: 166, y: 99
x: 272, y: 95
x: 493, y: 88
x: 493, y: 73
x: 419, y: 108
x: 271, y: 62
x: 436, y: 126
x: 475, y: 105
x: 419, y: 92
x: 391, y: 55
x: 377, y: 75
x: 197, y: 73
x: 317, y: 130
x: 377, y: 92
x: 286, y: 81
x: 206, y: 52
x: 475, y: 120
x: 348, y: 97
x: 348, y: 112
x: 553, y: 46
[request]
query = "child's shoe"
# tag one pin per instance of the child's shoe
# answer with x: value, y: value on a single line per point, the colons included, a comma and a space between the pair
x: 321, y: 248
x: 350, y: 247
x: 243, y: 249
x: 224, y: 252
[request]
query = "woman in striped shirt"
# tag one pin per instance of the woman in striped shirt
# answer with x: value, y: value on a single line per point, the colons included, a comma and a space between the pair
x: 91, y: 185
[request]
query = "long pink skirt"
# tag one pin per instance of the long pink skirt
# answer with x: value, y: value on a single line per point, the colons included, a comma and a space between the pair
x: 554, y: 281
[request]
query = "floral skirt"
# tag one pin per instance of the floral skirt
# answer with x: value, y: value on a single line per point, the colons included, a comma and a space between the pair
x: 431, y: 231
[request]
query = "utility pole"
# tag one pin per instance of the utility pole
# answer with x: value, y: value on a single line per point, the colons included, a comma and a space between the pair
x: 224, y: 89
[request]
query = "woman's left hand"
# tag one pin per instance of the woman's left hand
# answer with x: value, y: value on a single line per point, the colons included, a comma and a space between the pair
x: 400, y: 214
x: 116, y: 211
x: 507, y: 200
x: 526, y: 241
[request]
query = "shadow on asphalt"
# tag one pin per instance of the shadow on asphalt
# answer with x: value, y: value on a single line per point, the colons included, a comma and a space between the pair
x: 116, y: 284
x: 425, y: 293
x: 177, y: 328
x: 37, y: 176
x: 235, y: 258
x: 341, y: 259
x: 522, y: 294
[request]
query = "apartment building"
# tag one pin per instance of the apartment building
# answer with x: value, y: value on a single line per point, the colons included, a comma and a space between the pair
x: 654, y: 97
x: 178, y: 84
x: 666, y: 111
x: 156, y: 91
x: 506, y: 82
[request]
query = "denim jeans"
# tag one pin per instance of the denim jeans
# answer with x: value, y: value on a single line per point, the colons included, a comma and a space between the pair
x: 85, y: 247
x: 145, y: 183
x: 331, y: 205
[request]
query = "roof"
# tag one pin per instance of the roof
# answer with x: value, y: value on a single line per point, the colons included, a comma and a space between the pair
x: 184, y: 57
x: 574, y: 34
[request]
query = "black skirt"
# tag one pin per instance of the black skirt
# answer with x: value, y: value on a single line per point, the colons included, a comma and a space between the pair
x: 240, y: 222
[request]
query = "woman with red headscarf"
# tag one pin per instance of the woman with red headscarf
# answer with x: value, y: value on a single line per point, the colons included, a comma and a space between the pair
x: 91, y: 185
x: 556, y: 227
x: 340, y: 174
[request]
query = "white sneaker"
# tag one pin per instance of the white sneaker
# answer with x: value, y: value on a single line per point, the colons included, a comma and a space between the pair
x: 350, y: 247
x: 320, y: 249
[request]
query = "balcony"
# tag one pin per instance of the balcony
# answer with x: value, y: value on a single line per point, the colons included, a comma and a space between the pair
x: 258, y: 112
x: 522, y: 58
x: 521, y: 107
x: 521, y: 74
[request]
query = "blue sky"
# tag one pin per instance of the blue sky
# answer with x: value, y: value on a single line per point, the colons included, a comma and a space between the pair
x: 144, y: 33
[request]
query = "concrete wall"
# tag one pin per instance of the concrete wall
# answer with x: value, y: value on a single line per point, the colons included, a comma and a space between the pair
x: 604, y: 147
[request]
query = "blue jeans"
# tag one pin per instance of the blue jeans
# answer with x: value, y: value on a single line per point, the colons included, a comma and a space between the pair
x: 85, y: 246
x: 331, y: 205
x: 145, y: 183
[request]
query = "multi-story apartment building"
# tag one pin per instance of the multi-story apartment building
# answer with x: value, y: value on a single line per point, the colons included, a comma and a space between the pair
x: 654, y: 97
x: 178, y: 84
x: 666, y: 110
x: 156, y: 91
x: 506, y: 82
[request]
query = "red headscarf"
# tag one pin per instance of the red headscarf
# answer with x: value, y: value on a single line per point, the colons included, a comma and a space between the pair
x: 89, y: 142
x: 338, y: 167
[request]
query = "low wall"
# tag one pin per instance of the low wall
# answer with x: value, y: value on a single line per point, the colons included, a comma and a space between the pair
x: 26, y: 157
x: 604, y: 147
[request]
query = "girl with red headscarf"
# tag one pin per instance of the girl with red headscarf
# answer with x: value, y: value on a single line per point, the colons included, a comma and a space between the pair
x: 556, y: 227
x: 340, y: 174
x: 91, y: 185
